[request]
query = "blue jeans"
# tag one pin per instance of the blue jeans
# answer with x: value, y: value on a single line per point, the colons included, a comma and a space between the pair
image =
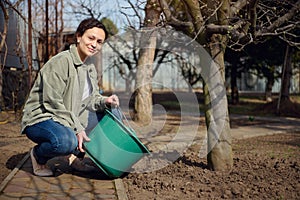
x: 54, y: 139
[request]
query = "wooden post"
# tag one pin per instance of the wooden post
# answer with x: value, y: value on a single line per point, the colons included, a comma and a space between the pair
x: 29, y: 44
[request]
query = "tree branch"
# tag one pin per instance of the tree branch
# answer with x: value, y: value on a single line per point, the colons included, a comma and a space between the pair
x: 237, y: 6
x: 253, y: 15
x: 281, y: 20
x: 194, y: 10
x: 16, y: 10
x: 170, y: 18
x: 4, y: 33
x: 137, y: 14
x: 236, y: 31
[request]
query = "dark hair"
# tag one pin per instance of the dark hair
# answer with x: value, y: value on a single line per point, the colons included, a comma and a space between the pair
x: 88, y: 24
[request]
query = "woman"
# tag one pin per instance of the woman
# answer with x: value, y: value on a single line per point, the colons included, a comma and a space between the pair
x: 56, y: 113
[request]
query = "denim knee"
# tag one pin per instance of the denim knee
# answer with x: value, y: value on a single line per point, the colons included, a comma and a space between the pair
x: 52, y: 138
x: 68, y: 143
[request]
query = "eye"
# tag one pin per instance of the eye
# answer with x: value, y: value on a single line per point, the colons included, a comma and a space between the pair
x: 100, y: 42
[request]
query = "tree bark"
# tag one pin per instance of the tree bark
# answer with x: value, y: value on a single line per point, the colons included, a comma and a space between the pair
x: 233, y: 81
x: 269, y: 85
x: 29, y: 57
x: 2, y: 43
x: 284, y: 94
x: 286, y: 82
x: 220, y: 156
x: 143, y: 91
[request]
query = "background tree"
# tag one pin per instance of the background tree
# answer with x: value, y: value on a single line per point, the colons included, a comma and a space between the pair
x: 3, y: 49
x: 112, y: 30
x: 262, y: 60
x: 110, y: 26
x: 235, y: 67
x: 286, y: 74
x: 265, y: 59
x: 84, y: 9
x: 190, y: 72
x: 17, y: 82
x: 143, y: 88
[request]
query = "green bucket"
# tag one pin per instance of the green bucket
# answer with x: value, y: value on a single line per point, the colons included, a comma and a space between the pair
x: 114, y: 147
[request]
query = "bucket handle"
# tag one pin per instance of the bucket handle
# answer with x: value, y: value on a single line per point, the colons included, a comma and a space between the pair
x: 131, y: 130
x: 122, y: 115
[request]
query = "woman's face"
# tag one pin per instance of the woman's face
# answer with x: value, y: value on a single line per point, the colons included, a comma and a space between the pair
x: 90, y: 42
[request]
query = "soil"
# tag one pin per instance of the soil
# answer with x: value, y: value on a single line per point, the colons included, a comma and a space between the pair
x: 266, y: 167
x: 13, y: 145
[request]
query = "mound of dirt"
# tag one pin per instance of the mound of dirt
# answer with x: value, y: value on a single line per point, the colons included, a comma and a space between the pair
x: 266, y: 167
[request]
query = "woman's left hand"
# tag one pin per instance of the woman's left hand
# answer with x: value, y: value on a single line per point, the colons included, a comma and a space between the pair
x: 113, y: 101
x: 81, y: 137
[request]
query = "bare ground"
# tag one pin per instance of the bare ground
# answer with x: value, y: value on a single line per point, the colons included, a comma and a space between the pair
x: 13, y: 145
x: 265, y: 167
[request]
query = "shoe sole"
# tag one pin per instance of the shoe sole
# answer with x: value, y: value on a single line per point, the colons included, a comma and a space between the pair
x: 35, y: 165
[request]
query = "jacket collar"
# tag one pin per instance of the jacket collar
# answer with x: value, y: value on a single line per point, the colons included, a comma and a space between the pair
x: 75, y: 56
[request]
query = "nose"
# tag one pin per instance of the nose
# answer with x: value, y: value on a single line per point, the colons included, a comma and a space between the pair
x: 94, y: 44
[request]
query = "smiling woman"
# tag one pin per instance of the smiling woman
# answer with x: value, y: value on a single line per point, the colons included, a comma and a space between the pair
x: 65, y: 99
x: 90, y: 36
x: 90, y: 42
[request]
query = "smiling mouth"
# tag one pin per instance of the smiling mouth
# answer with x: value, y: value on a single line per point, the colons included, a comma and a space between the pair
x: 92, y: 50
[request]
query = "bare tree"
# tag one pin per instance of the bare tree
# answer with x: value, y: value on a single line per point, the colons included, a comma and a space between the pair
x: 143, y: 93
x: 17, y: 51
x: 220, y: 24
x: 83, y: 8
x: 284, y: 94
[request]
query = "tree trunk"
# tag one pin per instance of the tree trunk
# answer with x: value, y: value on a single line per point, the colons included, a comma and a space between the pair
x: 286, y: 82
x: 284, y: 93
x: 1, y: 88
x: 2, y: 43
x: 269, y: 86
x: 234, y: 87
x: 143, y: 91
x: 219, y: 156
x: 29, y: 57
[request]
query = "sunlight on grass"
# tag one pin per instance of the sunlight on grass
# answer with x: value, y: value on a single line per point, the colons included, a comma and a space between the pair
x: 175, y: 105
x: 295, y: 98
x: 249, y: 104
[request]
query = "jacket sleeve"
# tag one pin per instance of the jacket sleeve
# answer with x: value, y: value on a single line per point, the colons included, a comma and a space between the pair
x: 55, y: 84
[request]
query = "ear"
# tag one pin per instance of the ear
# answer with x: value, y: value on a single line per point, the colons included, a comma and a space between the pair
x: 78, y: 38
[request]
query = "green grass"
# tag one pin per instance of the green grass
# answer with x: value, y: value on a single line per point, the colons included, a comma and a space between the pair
x: 256, y: 105
x: 296, y: 98
x: 249, y: 104
x: 175, y: 105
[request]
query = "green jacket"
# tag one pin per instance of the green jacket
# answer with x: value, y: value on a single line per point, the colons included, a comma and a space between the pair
x: 57, y: 93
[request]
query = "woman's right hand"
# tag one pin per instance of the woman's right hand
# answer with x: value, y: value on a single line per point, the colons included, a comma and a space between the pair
x: 81, y: 137
x: 113, y: 101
